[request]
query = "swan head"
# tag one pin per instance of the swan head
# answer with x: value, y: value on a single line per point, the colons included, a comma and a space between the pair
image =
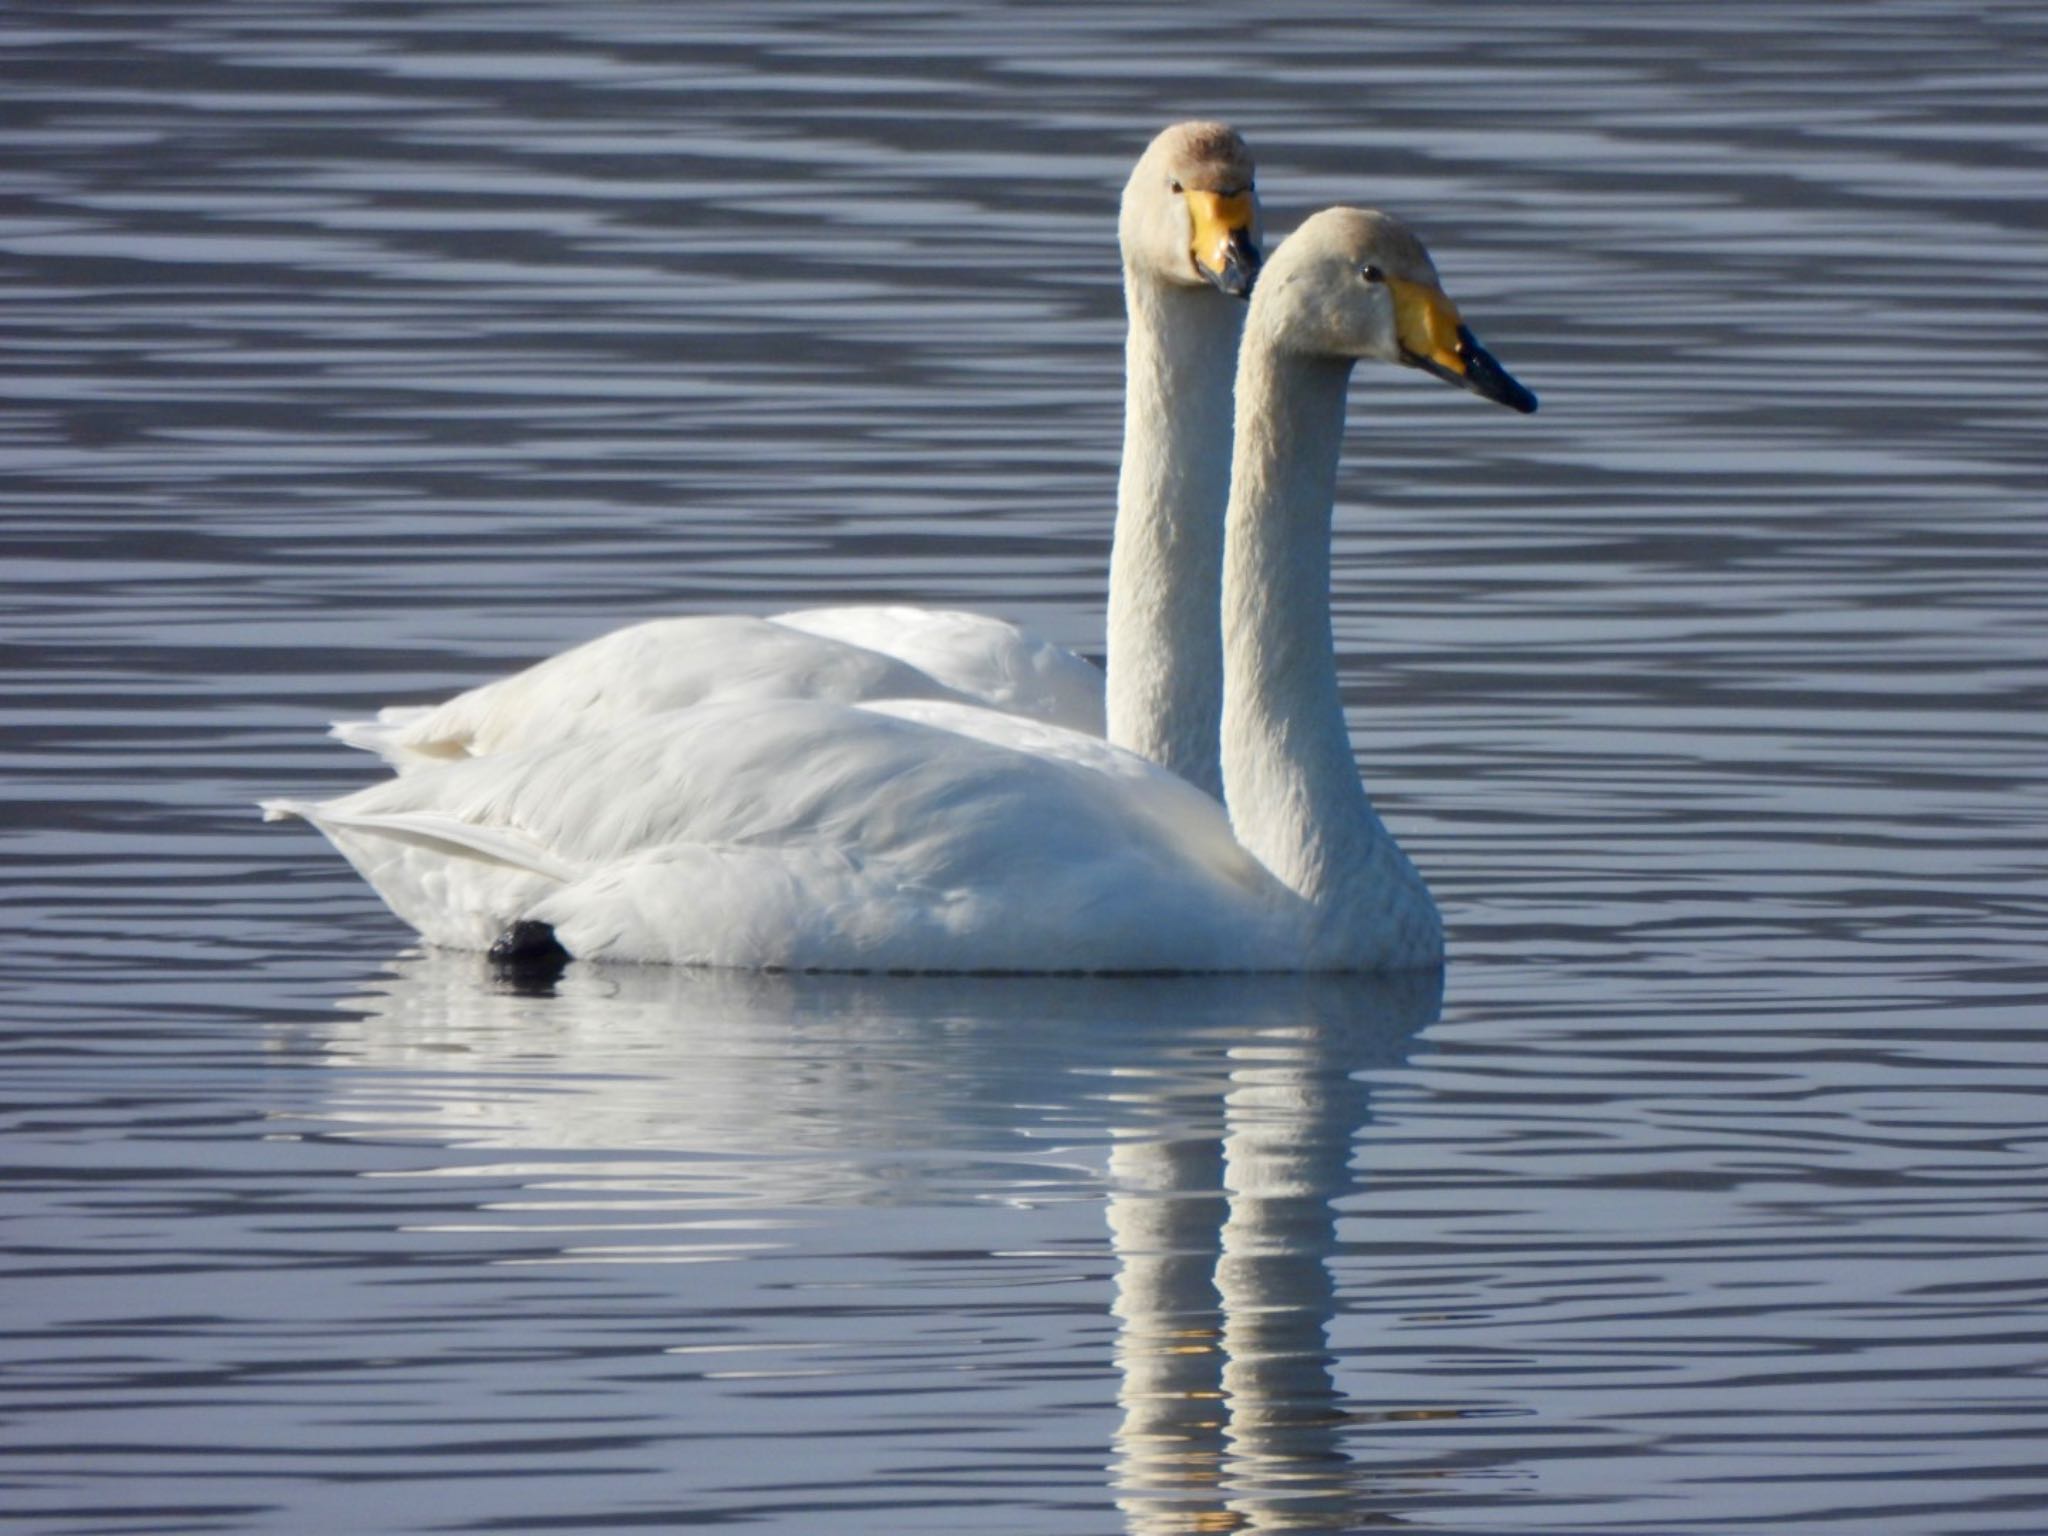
x: 1353, y: 283
x: 1190, y: 213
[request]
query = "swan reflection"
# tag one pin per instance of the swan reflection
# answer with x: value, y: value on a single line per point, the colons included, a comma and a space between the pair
x: 1229, y: 1107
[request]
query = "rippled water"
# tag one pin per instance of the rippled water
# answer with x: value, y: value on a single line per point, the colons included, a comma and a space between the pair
x: 359, y: 352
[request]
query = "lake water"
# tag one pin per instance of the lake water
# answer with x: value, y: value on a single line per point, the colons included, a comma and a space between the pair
x: 360, y: 352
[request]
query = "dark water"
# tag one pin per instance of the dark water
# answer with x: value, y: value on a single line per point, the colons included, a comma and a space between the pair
x: 358, y: 352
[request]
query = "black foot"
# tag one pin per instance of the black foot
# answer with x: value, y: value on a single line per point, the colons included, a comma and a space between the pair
x: 529, y: 940
x: 529, y: 956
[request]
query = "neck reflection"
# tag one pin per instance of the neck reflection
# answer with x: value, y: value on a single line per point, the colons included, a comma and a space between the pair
x: 1223, y: 1228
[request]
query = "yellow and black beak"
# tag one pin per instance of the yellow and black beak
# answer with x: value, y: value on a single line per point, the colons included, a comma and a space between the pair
x: 1226, y: 242
x: 1435, y: 340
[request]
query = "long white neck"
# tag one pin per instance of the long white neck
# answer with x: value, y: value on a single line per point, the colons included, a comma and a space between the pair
x: 1165, y: 567
x: 1289, y: 777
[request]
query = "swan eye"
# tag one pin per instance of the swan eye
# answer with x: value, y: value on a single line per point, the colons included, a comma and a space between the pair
x: 1177, y: 188
x: 1372, y: 274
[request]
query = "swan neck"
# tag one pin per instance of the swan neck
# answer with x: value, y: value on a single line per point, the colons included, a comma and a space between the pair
x: 1164, y: 635
x: 1291, y: 781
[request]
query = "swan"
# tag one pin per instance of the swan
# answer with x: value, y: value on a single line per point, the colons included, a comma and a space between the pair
x: 920, y: 834
x: 1188, y: 228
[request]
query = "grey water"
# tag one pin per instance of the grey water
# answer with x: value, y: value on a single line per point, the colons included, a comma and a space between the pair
x: 359, y: 352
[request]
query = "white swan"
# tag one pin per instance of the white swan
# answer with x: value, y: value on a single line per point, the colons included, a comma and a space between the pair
x: 1188, y: 228
x: 920, y: 835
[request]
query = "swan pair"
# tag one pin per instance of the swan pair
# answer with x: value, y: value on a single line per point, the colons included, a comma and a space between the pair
x: 809, y: 819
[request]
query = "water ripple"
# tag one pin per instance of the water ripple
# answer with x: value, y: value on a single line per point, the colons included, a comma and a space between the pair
x: 360, y: 354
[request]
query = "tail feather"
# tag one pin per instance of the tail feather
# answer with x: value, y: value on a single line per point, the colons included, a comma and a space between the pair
x: 447, y: 834
x: 457, y: 884
x: 386, y: 736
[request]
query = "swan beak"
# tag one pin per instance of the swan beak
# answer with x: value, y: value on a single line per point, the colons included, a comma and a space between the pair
x: 1226, y: 245
x: 1435, y: 340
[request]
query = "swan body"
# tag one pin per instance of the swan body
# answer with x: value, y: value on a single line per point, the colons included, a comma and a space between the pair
x: 928, y: 834
x: 799, y: 834
x: 1188, y: 230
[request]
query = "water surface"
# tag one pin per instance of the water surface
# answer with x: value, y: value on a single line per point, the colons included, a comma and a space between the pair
x: 359, y: 353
